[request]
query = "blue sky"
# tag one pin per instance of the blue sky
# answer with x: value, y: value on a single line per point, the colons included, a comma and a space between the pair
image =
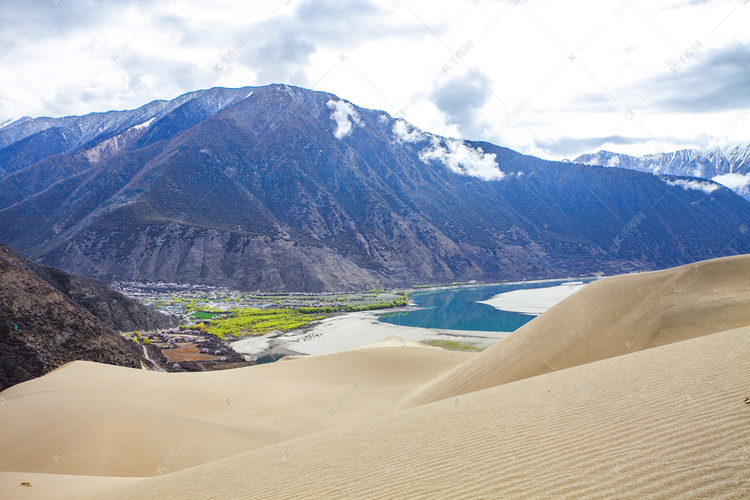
x: 553, y: 79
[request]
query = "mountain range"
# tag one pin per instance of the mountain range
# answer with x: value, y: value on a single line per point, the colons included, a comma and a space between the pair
x: 728, y: 165
x: 284, y: 188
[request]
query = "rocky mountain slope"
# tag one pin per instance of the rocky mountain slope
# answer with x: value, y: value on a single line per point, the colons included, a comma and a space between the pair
x: 729, y: 166
x: 110, y: 306
x: 282, y: 188
x: 41, y: 329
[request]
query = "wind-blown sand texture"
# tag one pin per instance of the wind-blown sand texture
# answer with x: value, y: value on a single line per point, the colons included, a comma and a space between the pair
x: 611, y: 317
x: 662, y: 423
x: 112, y: 421
x: 641, y: 395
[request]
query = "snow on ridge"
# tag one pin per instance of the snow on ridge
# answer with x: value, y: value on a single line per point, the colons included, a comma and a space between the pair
x: 105, y: 148
x: 696, y: 185
x: 345, y: 116
x: 463, y: 159
x: 115, y: 143
x: 143, y: 125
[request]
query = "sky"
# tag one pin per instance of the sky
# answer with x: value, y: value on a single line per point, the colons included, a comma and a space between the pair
x: 548, y: 78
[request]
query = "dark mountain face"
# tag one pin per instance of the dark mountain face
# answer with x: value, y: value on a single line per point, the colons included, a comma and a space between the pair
x: 281, y: 188
x: 108, y: 305
x: 41, y: 329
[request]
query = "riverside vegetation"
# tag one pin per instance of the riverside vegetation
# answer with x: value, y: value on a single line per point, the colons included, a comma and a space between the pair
x: 454, y: 345
x: 286, y: 312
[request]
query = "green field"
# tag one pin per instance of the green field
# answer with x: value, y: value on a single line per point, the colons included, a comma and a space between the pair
x: 252, y: 321
x: 453, y: 345
x: 205, y: 315
x: 397, y: 302
x: 246, y: 322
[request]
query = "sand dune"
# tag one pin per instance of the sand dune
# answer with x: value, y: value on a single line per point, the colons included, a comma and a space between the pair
x: 607, y: 318
x: 55, y: 485
x: 632, y: 387
x: 662, y: 423
x: 94, y: 419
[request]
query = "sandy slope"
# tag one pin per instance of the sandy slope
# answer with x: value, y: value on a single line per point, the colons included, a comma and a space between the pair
x: 50, y: 486
x: 661, y: 423
x: 88, y: 418
x: 610, y: 317
x: 638, y: 397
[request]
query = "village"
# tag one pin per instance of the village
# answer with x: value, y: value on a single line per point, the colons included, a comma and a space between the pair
x: 212, y: 317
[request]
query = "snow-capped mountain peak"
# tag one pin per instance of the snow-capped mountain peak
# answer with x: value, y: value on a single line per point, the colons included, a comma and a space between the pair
x: 728, y: 165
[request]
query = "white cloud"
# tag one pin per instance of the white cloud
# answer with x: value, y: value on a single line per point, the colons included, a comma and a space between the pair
x: 614, y: 161
x: 345, y: 117
x: 706, y: 187
x: 733, y: 181
x: 463, y: 159
x: 406, y: 132
x: 575, y: 67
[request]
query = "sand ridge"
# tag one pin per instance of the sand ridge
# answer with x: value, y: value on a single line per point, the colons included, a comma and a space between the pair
x: 633, y: 387
x: 663, y: 423
x: 610, y: 317
x: 115, y: 421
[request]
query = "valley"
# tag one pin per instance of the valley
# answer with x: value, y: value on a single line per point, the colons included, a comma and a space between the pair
x: 297, y: 249
x: 612, y: 339
x: 212, y: 320
x: 280, y: 288
x: 217, y: 324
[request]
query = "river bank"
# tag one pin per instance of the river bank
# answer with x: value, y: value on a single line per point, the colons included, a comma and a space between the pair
x: 349, y: 331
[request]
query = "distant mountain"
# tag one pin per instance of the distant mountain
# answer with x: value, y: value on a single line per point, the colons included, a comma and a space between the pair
x: 41, y: 329
x: 283, y: 188
x: 729, y: 166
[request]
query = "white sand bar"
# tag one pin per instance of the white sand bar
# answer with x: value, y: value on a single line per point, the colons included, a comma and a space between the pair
x: 351, y: 331
x: 533, y: 301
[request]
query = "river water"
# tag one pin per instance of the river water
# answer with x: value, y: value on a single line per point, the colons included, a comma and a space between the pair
x: 457, y: 309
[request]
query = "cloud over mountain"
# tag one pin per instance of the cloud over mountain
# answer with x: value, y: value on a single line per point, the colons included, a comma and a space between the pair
x: 345, y: 116
x: 463, y: 159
